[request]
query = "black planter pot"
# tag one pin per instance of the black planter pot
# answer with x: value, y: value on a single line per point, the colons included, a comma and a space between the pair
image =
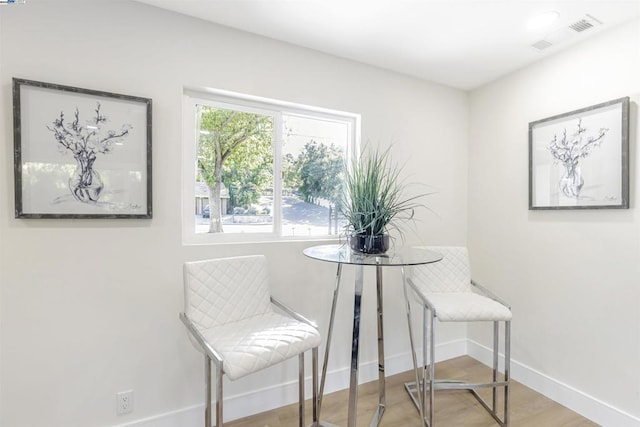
x: 369, y: 244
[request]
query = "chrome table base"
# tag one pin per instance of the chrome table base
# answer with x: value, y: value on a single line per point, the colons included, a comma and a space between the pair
x: 355, y: 348
x: 342, y: 254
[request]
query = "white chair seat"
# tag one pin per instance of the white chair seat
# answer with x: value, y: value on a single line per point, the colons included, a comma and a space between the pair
x: 466, y: 307
x: 255, y: 343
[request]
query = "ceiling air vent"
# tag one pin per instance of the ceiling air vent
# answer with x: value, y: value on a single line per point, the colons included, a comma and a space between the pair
x: 581, y: 25
x: 584, y: 24
x: 541, y: 44
x: 565, y: 33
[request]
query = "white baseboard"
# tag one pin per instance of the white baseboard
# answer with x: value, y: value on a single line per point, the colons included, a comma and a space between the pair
x: 192, y: 416
x: 589, y: 407
x: 244, y: 405
x: 266, y: 399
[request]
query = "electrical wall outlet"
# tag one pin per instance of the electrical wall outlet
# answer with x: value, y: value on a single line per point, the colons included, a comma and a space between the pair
x: 124, y: 402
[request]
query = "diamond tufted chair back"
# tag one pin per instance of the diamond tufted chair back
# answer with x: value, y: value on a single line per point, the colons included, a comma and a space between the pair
x: 221, y: 291
x: 452, y: 274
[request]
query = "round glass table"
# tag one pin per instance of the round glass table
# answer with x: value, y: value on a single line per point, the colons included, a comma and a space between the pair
x: 340, y: 255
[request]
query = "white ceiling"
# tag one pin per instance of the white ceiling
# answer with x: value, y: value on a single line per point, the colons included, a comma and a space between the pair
x: 459, y: 43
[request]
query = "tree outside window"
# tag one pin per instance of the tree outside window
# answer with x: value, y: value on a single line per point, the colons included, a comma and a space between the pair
x: 268, y: 170
x: 235, y: 148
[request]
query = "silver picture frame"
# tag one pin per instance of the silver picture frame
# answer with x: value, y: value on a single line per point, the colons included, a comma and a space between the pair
x: 580, y: 159
x: 80, y: 153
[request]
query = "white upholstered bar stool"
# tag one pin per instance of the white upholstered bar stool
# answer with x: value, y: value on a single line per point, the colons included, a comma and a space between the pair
x: 233, y: 318
x: 448, y: 294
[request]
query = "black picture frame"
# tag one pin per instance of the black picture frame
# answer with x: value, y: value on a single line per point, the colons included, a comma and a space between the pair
x: 81, y: 153
x: 580, y: 159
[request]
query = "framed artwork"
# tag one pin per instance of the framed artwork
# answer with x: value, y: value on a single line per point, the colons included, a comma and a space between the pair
x: 80, y: 153
x: 580, y: 159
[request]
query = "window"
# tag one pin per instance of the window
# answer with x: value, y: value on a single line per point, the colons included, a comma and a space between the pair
x: 258, y: 169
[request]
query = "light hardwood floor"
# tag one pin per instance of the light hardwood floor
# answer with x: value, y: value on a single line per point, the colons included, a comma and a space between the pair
x: 453, y: 408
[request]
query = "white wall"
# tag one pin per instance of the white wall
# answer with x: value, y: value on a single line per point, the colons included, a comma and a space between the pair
x: 573, y: 277
x: 89, y: 307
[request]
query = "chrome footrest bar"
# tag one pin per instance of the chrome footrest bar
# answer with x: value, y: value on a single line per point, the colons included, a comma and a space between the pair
x: 454, y: 385
x: 486, y: 406
x: 412, y: 390
x: 457, y: 385
x: 378, y: 415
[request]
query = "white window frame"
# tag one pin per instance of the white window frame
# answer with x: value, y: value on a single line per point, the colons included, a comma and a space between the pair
x: 265, y: 106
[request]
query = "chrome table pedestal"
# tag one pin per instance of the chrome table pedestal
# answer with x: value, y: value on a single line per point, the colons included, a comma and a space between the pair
x: 342, y: 254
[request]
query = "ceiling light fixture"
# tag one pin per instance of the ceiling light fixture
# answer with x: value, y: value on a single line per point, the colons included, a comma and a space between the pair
x: 543, y: 20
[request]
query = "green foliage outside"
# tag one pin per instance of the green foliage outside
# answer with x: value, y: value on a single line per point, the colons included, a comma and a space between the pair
x: 235, y: 148
x: 320, y: 168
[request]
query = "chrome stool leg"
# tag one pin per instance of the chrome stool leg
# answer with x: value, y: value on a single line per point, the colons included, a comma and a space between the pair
x: 207, y: 391
x: 427, y: 385
x: 219, y: 414
x: 432, y: 365
x: 301, y: 390
x: 414, y: 389
x: 494, y: 391
x: 207, y: 405
x: 507, y: 371
x: 314, y: 386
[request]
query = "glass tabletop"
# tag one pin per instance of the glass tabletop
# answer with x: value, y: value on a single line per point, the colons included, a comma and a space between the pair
x: 342, y: 253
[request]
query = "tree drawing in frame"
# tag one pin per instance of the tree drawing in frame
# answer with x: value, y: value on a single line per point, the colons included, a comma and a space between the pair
x: 80, y: 153
x: 86, y: 142
x: 568, y: 150
x: 580, y: 159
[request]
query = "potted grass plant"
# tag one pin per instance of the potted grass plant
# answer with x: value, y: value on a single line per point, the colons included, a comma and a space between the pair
x: 374, y: 201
